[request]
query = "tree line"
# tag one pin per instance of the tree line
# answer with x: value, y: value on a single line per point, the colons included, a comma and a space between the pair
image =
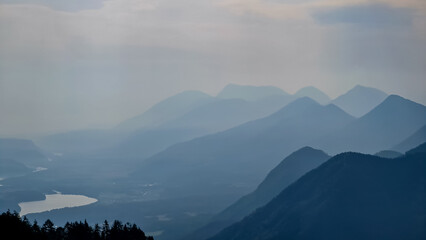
x: 12, y: 226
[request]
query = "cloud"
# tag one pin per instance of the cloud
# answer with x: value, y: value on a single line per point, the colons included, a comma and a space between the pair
x: 368, y: 15
x: 62, y: 5
x: 302, y: 9
x: 274, y: 10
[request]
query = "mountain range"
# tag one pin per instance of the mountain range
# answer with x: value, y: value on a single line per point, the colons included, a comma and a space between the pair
x: 385, y: 126
x: 257, y: 145
x: 219, y: 150
x: 176, y: 119
x: 193, y: 114
x: 351, y: 196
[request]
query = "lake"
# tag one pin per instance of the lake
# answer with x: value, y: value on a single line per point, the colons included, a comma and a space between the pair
x: 55, y: 201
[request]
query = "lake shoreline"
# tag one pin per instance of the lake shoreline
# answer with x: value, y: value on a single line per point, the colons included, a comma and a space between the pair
x: 53, y: 202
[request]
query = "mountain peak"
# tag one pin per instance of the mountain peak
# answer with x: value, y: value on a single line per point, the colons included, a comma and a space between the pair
x: 359, y: 87
x: 395, y: 103
x: 393, y: 120
x: 305, y: 149
x: 304, y: 101
x: 360, y: 100
x: 297, y: 106
x: 313, y: 93
x: 396, y: 99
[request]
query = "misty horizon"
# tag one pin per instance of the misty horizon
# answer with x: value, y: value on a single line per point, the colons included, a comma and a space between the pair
x: 91, y: 64
x: 114, y: 124
x: 212, y: 119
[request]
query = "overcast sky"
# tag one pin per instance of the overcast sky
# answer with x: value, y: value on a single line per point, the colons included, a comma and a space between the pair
x: 67, y: 65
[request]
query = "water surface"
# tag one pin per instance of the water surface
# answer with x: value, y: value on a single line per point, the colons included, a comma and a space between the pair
x: 55, y: 201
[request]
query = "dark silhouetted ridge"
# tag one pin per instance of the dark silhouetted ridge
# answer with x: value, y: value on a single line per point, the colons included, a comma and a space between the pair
x: 351, y: 196
x: 288, y: 171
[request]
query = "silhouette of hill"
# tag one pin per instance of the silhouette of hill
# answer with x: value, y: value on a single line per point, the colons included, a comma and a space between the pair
x: 351, y: 196
x: 249, y: 93
x: 414, y: 140
x: 388, y: 154
x: 393, y: 120
x: 360, y: 100
x: 313, y: 93
x: 288, y: 171
x: 224, y: 153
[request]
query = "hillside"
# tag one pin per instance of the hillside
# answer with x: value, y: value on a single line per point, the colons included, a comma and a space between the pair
x: 351, y: 196
x: 288, y: 171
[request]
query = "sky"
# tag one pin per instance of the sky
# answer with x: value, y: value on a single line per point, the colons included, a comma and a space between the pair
x: 69, y: 65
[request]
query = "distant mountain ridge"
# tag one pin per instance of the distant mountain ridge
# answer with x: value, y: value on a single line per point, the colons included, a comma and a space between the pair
x: 269, y: 139
x: 179, y: 118
x: 176, y: 119
x: 313, y: 93
x: 393, y: 120
x: 360, y: 100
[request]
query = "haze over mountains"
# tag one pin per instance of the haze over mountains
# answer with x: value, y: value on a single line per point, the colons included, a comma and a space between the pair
x: 269, y: 139
x: 417, y: 138
x: 360, y: 100
x: 23, y: 151
x: 249, y: 93
x: 313, y: 93
x: 194, y: 164
x: 193, y: 114
x: 383, y: 127
x: 167, y: 110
